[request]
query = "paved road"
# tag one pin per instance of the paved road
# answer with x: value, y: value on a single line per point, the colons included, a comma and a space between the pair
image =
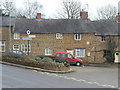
x: 0, y: 76
x: 105, y: 76
x: 14, y: 77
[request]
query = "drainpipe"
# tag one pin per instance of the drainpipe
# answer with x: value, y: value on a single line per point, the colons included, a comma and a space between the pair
x: 95, y: 55
x: 9, y: 31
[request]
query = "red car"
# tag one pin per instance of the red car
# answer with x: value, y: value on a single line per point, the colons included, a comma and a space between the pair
x: 71, y: 59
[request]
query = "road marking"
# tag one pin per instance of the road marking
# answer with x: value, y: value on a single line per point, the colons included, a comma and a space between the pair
x: 35, y: 70
x: 108, y: 86
x: 78, y: 80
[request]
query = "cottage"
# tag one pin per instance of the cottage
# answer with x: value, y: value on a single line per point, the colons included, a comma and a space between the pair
x: 6, y: 25
x: 83, y: 38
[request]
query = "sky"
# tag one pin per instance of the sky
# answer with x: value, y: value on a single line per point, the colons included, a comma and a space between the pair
x: 50, y: 7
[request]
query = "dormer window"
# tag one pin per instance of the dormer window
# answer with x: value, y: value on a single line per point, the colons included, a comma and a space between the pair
x: 77, y: 36
x: 59, y: 36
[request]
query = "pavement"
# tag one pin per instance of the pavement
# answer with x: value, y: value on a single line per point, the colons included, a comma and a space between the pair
x: 109, y: 65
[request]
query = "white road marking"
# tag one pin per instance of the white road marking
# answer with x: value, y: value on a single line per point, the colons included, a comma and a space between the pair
x: 78, y: 80
x: 35, y: 70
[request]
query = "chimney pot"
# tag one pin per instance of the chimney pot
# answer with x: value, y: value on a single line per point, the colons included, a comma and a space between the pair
x: 39, y: 16
x: 118, y: 18
x: 84, y: 15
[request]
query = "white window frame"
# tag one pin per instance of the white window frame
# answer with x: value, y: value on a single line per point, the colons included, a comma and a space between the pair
x: 17, y: 36
x: 77, y: 35
x: 103, y: 38
x: 48, y: 51
x: 59, y: 36
x: 78, y: 50
x: 2, y: 45
x: 23, y: 48
x: 16, y: 45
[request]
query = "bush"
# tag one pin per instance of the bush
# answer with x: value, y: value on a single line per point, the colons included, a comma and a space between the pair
x: 45, y: 63
x: 109, y: 55
x: 53, y: 59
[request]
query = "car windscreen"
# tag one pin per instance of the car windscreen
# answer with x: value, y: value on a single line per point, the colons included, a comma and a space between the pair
x: 14, y: 51
x: 70, y: 56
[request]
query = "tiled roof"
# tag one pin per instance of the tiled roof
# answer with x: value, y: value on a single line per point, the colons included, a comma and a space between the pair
x: 66, y: 26
x: 6, y: 21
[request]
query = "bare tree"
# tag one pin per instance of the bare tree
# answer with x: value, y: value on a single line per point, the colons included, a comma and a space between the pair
x: 112, y: 44
x: 9, y: 7
x: 107, y: 12
x: 31, y: 8
x: 70, y: 10
x: 20, y: 13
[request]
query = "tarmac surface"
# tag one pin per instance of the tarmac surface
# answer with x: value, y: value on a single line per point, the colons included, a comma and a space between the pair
x: 87, y: 76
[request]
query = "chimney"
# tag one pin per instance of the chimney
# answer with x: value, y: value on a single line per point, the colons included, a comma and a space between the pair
x: 84, y: 15
x: 39, y: 16
x: 118, y: 18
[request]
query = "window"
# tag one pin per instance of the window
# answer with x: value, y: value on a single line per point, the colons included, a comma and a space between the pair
x: 15, y: 47
x: 77, y: 36
x: 80, y: 52
x: 24, y: 48
x: 59, y: 36
x: 103, y: 38
x: 16, y: 35
x: 48, y: 51
x: 70, y: 56
x: 58, y: 55
x: 2, y: 46
x: 64, y: 55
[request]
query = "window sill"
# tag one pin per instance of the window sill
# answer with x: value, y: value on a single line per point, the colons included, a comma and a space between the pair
x: 77, y: 39
x: 16, y: 39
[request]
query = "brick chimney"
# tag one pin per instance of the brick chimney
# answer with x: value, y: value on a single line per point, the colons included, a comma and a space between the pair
x: 39, y: 16
x: 118, y: 18
x: 84, y: 15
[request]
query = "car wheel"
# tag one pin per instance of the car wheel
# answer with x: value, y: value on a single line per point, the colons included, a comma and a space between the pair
x: 78, y: 64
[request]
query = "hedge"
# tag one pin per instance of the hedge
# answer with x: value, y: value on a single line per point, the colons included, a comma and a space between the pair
x: 44, y: 63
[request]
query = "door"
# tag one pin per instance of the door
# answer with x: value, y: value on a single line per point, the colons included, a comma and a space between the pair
x: 71, y: 59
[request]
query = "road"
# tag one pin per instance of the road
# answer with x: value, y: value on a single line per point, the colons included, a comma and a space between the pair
x: 104, y: 76
x: 15, y: 77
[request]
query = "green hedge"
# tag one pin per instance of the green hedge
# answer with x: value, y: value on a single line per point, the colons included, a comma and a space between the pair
x: 52, y: 59
x: 44, y: 63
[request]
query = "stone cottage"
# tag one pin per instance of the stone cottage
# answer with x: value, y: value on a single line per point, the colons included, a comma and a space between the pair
x: 84, y: 39
x: 6, y: 26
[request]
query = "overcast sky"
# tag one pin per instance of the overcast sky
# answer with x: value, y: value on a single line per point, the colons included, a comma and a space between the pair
x: 51, y: 6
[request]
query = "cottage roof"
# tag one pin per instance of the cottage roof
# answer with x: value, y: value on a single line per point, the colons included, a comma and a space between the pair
x: 65, y: 26
x: 5, y: 21
x: 106, y: 28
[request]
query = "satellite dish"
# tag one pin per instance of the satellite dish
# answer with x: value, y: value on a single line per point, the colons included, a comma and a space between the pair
x: 28, y: 32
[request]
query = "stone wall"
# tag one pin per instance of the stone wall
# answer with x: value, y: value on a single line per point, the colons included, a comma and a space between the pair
x: 92, y: 44
x: 4, y: 32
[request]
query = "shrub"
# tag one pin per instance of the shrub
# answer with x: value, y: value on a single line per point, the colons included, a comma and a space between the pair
x: 52, y: 58
x: 44, y: 63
